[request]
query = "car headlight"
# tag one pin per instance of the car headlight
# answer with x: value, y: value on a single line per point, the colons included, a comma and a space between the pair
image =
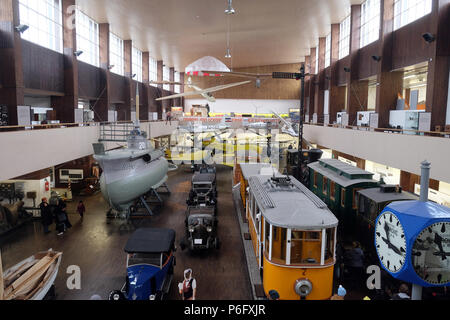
x: 191, y: 229
x: 209, y: 229
x: 303, y: 287
x: 152, y: 297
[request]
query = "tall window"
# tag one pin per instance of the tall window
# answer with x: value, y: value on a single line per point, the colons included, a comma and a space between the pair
x: 153, y: 70
x: 328, y: 51
x: 137, y: 64
x: 344, y: 38
x: 88, y: 39
x: 116, y: 54
x: 44, y: 18
x: 166, y: 77
x: 407, y: 11
x: 177, y: 79
x: 370, y: 22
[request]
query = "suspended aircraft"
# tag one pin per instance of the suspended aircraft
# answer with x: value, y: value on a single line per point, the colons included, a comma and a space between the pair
x: 205, y: 93
x: 289, y: 129
x: 257, y: 76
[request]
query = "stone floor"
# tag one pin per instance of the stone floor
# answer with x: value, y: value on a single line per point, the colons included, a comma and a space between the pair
x: 97, y: 247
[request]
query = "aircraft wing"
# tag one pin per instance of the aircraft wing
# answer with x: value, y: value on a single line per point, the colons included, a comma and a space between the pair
x: 281, y: 119
x: 200, y: 92
x: 179, y: 95
x: 290, y: 126
x: 167, y: 82
x: 241, y: 74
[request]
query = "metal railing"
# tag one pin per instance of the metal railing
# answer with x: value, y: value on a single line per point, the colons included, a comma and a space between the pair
x: 115, y: 132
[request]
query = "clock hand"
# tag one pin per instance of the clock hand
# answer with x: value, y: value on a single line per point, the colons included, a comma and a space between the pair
x: 386, y: 229
x: 392, y: 247
x: 438, y: 241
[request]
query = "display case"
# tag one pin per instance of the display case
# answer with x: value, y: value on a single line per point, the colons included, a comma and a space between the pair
x: 404, y: 119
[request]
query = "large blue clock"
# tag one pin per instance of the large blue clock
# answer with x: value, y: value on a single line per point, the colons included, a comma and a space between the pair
x: 412, y: 239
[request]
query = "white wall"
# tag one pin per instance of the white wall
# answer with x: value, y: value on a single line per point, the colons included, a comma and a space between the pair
x: 37, y: 186
x: 32, y: 150
x: 245, y: 105
x: 404, y: 152
x: 29, y: 151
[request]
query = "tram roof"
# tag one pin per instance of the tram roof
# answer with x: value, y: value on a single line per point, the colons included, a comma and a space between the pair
x: 377, y: 196
x: 291, y: 205
x: 343, y: 174
x: 253, y: 169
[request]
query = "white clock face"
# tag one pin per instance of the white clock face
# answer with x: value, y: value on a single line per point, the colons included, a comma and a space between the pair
x: 390, y: 242
x: 431, y: 254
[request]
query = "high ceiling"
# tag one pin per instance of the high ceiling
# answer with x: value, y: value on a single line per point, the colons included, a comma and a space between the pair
x: 263, y: 32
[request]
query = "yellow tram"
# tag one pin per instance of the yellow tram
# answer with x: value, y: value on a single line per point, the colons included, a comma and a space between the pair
x: 294, y: 237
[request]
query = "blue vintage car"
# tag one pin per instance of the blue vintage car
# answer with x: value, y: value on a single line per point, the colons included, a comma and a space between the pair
x: 150, y: 263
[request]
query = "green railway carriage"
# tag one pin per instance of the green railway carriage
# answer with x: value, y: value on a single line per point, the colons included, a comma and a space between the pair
x: 337, y: 184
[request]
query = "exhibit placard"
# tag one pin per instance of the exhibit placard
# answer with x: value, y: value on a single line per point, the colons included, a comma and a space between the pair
x: 23, y: 115
x: 112, y: 116
x: 344, y: 120
x: 424, y: 121
x: 307, y: 118
x: 373, y: 120
x: 79, y: 116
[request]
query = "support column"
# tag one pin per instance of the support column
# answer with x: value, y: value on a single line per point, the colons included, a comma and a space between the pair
x: 65, y: 106
x: 389, y: 83
x: 145, y: 67
x: 145, y: 95
x: 319, y: 92
x: 182, y: 77
x: 312, y: 84
x: 438, y: 66
x: 337, y: 94
x: 103, y: 104
x: 172, y: 79
x: 160, y: 73
x: 130, y: 85
x: 307, y: 84
x: 11, y: 72
x: 357, y: 91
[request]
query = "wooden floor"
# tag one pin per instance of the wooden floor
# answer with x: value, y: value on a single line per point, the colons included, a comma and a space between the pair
x: 97, y: 247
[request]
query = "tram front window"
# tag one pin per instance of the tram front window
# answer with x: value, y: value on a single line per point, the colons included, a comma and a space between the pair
x: 306, y: 247
x: 330, y: 247
x: 279, y: 238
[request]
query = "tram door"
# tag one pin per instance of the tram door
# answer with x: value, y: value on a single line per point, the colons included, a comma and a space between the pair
x: 260, y: 243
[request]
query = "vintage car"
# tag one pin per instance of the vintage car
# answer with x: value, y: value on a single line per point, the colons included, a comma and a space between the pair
x: 150, y: 264
x: 201, y: 228
x: 203, y: 190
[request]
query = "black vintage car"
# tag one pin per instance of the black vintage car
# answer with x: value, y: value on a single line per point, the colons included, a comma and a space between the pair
x: 201, y: 228
x: 203, y: 190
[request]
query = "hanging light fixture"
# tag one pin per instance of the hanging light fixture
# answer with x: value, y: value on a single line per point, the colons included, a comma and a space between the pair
x: 229, y: 9
x: 228, y: 54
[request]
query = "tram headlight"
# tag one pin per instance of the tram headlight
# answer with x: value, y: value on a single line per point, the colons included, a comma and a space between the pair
x: 209, y: 229
x: 191, y: 229
x: 303, y: 287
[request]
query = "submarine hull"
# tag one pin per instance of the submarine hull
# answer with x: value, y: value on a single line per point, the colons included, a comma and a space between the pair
x: 124, y: 180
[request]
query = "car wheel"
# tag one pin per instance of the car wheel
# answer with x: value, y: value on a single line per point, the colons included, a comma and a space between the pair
x: 116, y: 295
x: 182, y: 245
x: 217, y: 243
